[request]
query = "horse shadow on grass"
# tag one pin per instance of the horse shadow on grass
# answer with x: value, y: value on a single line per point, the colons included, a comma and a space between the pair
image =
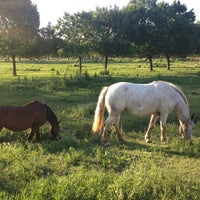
x: 7, y: 136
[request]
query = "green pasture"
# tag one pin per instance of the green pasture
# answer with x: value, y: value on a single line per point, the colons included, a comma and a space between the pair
x: 78, y: 166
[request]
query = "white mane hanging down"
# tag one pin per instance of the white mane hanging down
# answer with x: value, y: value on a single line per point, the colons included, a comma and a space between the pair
x: 157, y: 99
x: 178, y: 89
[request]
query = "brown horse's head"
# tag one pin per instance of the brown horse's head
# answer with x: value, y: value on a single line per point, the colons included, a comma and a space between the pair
x: 52, y: 119
x: 55, y: 130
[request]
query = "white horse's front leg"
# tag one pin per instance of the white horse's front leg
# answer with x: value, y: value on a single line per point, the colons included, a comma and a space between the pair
x: 153, y: 120
x: 163, y: 120
x: 163, y: 135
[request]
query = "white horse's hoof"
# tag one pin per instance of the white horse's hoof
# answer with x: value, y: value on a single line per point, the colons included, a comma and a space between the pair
x: 107, y: 144
x: 148, y: 141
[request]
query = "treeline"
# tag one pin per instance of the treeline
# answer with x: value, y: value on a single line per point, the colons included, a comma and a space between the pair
x: 143, y: 28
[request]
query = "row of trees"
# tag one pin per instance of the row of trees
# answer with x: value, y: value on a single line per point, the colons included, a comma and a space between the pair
x: 143, y: 28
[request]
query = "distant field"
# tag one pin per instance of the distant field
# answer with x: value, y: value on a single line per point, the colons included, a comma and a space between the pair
x: 78, y: 166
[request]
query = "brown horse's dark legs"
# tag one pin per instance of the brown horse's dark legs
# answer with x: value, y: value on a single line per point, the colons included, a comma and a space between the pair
x: 31, y: 135
x: 33, y: 131
x: 38, y: 135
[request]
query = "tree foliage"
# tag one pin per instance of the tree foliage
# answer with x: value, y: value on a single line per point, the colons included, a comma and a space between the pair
x: 160, y: 28
x: 143, y: 28
x: 49, y: 41
x: 19, y: 23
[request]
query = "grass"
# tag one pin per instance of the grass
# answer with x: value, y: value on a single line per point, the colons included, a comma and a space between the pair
x: 79, y: 166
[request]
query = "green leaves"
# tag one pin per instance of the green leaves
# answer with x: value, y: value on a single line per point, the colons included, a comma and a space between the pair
x: 19, y: 24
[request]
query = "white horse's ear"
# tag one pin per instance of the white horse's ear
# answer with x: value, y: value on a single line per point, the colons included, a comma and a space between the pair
x: 193, y: 116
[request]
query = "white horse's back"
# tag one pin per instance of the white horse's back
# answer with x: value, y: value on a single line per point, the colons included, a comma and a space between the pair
x: 141, y: 99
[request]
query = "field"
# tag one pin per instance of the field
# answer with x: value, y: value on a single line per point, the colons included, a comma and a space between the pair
x: 79, y: 166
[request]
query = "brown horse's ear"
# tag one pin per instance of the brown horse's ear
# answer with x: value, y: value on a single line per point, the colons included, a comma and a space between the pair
x: 193, y: 116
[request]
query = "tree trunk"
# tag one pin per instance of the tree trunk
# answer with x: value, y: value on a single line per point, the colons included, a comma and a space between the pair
x: 150, y: 62
x: 106, y: 63
x: 80, y: 65
x: 168, y: 62
x: 14, y: 66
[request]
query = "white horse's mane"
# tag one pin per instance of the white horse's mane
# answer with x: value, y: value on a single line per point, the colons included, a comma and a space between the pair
x: 178, y: 89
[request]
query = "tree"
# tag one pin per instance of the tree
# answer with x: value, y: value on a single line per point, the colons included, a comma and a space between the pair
x: 95, y: 32
x: 74, y: 29
x: 197, y: 50
x: 183, y: 29
x: 140, y: 29
x: 108, y: 39
x: 160, y: 29
x: 50, y: 41
x: 143, y: 27
x: 176, y: 30
x: 19, y: 23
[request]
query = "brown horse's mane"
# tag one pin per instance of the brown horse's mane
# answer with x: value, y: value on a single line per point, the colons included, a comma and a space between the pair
x: 51, y: 117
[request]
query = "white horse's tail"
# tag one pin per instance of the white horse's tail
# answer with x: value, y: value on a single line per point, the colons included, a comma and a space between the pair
x: 99, y: 112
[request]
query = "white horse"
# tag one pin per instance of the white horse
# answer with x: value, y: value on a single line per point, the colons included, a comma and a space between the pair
x: 157, y: 99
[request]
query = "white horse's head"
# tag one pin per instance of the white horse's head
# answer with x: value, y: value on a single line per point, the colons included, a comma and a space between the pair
x: 186, y: 128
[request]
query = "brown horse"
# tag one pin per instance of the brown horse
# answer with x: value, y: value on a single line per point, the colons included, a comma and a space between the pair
x: 32, y: 115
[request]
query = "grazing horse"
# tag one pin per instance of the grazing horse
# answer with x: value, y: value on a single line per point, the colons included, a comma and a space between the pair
x: 32, y: 115
x: 157, y: 99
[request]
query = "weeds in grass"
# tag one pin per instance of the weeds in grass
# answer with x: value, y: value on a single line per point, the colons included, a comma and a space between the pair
x: 105, y: 72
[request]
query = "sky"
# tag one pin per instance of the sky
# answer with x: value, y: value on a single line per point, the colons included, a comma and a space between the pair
x: 51, y: 11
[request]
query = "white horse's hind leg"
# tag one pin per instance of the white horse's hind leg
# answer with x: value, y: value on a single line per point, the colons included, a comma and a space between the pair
x: 153, y: 120
x: 116, y: 125
x: 109, y: 121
